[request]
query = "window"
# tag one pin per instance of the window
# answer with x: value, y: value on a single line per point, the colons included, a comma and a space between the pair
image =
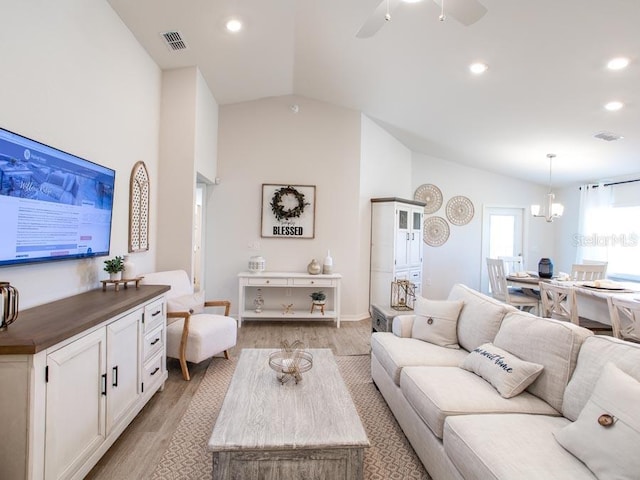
x: 610, y: 228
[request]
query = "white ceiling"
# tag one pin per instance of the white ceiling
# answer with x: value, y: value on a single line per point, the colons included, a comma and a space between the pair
x: 543, y: 93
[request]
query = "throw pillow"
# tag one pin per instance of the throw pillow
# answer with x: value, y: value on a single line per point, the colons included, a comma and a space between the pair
x: 193, y: 303
x: 606, y: 435
x: 436, y: 321
x: 507, y: 373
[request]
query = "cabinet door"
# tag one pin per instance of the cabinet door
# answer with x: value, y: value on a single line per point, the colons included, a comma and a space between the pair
x: 403, y: 233
x: 75, y: 405
x: 123, y: 354
x: 415, y: 237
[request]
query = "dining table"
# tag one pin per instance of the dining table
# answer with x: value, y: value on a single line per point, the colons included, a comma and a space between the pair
x: 591, y: 296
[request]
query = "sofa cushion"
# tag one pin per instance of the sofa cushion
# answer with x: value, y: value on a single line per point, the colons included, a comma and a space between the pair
x: 507, y: 447
x: 506, y: 372
x: 191, y: 302
x: 395, y: 353
x: 208, y: 336
x: 480, y: 317
x: 551, y: 343
x: 436, y: 393
x: 436, y: 321
x: 606, y: 435
x: 594, y: 354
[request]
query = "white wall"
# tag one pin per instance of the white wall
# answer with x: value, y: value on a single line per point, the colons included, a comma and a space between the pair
x: 206, y: 141
x: 188, y: 143
x: 460, y: 260
x: 385, y: 171
x: 176, y: 186
x: 264, y: 141
x: 74, y: 77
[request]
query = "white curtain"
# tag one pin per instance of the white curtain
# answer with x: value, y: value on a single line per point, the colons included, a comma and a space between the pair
x: 595, y: 202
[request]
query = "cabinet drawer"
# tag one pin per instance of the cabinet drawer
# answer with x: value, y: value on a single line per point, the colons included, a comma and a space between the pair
x: 152, y: 370
x: 153, y: 342
x: 381, y: 321
x: 267, y: 281
x: 415, y: 276
x: 154, y: 315
x: 313, y: 282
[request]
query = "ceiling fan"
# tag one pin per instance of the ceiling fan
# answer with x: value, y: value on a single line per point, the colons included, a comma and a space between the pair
x: 466, y: 12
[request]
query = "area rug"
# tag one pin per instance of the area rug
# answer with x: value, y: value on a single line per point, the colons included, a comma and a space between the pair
x: 389, y: 457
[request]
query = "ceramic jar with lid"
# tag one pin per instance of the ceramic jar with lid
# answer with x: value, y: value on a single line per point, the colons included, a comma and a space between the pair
x: 314, y: 267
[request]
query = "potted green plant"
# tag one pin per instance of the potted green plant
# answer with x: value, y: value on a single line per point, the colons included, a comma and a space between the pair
x: 318, y: 297
x: 114, y: 267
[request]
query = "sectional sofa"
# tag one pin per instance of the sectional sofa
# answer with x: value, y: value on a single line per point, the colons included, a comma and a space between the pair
x: 485, y: 391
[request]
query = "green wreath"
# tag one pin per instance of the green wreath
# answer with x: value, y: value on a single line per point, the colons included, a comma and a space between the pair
x: 278, y: 208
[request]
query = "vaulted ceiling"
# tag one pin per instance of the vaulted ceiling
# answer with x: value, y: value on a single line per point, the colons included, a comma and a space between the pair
x: 544, y: 91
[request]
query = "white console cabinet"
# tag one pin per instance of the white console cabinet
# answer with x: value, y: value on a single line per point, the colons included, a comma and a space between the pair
x: 68, y: 393
x: 396, y: 246
x: 286, y: 296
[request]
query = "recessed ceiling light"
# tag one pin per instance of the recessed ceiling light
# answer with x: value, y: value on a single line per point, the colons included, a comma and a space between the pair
x: 478, y: 68
x: 613, y: 106
x: 234, y: 25
x: 618, y: 63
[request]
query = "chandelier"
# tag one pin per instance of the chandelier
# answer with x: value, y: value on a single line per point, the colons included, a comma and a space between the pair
x: 549, y: 210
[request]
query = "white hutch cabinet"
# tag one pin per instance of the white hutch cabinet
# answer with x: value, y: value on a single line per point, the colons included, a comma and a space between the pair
x: 74, y: 373
x: 396, y: 246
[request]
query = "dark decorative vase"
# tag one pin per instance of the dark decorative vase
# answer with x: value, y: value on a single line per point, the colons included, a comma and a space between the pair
x: 545, y: 268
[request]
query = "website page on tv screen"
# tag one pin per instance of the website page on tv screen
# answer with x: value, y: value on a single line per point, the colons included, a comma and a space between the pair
x: 53, y: 205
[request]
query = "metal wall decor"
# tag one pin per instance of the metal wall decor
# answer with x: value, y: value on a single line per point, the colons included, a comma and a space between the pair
x: 139, y: 192
x: 459, y: 210
x: 436, y: 231
x: 431, y: 195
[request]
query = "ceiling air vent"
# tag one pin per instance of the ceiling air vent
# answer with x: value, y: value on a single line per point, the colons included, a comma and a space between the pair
x: 174, y: 41
x: 608, y: 136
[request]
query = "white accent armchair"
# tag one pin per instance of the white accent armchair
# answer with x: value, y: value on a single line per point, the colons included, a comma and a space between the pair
x: 192, y: 334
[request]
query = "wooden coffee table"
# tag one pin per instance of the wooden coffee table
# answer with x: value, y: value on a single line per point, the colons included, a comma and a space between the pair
x: 267, y: 430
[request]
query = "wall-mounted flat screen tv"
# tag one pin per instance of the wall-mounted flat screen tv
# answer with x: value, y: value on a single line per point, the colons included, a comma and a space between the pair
x: 53, y: 205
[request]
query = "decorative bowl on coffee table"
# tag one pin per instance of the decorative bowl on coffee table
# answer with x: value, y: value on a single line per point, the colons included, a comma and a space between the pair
x: 290, y: 362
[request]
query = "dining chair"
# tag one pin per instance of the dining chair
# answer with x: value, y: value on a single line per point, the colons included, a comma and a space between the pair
x: 588, y: 271
x: 501, y: 291
x: 193, y: 335
x: 625, y: 318
x: 512, y: 264
x: 559, y: 302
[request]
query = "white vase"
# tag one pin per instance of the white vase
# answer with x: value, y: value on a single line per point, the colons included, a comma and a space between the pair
x: 327, y: 267
x: 115, y: 276
x: 129, y: 268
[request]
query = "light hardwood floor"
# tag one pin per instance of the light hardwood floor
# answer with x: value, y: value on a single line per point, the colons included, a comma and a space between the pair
x: 135, y: 454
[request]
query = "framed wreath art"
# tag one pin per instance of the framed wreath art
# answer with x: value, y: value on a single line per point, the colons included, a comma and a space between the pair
x: 288, y: 211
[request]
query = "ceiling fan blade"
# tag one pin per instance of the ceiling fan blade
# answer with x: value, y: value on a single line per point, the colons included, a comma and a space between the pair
x: 377, y: 18
x: 467, y: 12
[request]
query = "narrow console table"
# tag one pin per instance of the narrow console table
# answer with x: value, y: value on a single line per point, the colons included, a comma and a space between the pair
x: 286, y: 296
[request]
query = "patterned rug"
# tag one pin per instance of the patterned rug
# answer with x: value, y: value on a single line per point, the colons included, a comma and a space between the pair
x: 390, y: 456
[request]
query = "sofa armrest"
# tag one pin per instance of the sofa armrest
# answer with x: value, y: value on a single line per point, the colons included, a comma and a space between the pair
x: 402, y: 325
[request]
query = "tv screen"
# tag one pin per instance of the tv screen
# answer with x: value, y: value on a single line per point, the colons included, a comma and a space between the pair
x: 53, y: 205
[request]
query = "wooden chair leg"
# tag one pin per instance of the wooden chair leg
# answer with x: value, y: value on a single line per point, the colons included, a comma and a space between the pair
x: 185, y: 370
x: 226, y: 354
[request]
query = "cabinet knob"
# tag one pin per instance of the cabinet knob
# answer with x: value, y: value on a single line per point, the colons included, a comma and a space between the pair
x: 267, y: 281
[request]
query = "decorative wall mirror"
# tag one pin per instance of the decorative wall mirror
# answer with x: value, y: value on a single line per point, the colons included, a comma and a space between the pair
x: 139, y: 208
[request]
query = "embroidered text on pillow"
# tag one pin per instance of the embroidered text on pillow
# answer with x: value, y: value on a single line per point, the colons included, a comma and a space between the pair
x: 496, y: 357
